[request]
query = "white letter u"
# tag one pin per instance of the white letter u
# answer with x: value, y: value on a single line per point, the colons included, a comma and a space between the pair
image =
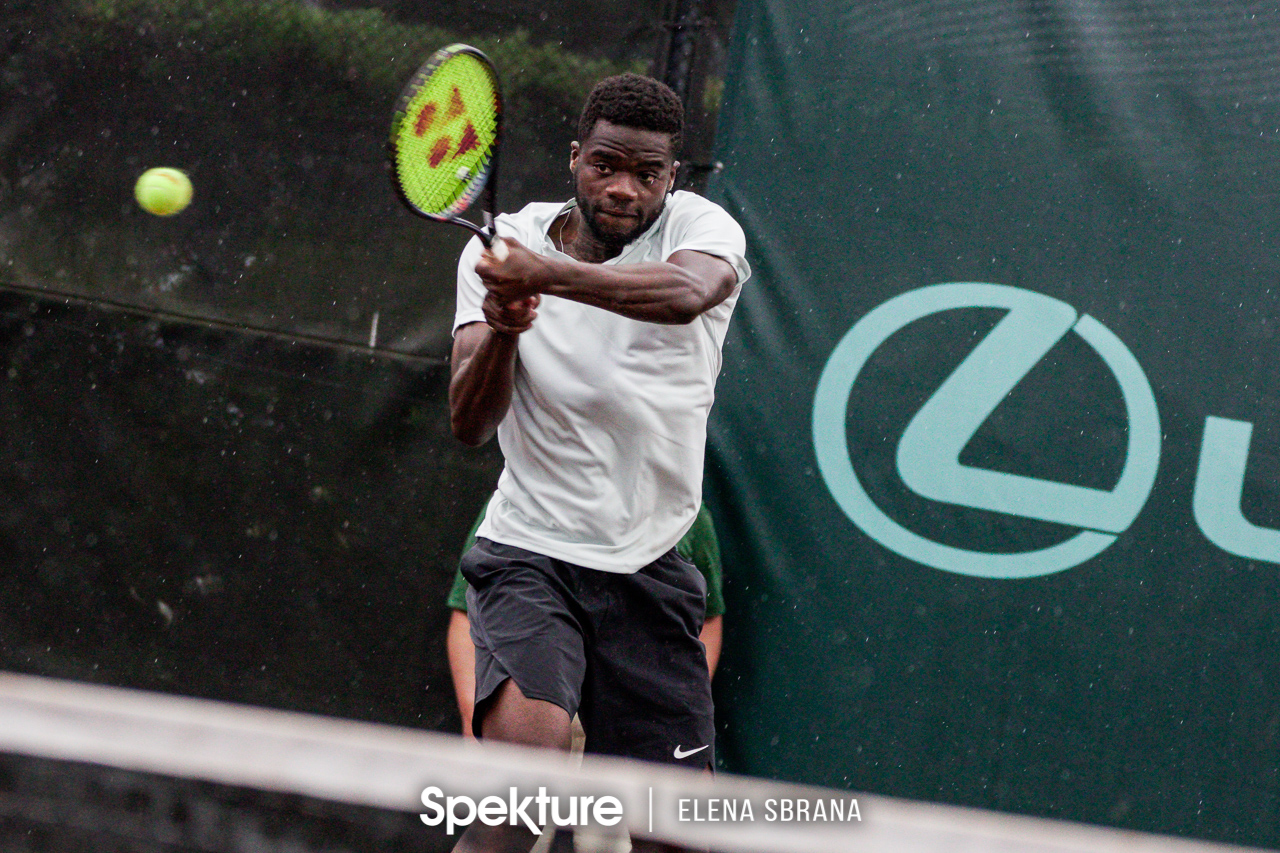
x: 1219, y: 484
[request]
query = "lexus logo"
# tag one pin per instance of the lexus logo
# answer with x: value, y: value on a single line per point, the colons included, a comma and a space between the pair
x: 928, y: 452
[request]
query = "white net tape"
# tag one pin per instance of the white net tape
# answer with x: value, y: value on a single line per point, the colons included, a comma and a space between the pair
x: 393, y: 768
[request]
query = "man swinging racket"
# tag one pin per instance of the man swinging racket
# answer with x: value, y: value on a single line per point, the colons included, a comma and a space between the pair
x: 592, y: 350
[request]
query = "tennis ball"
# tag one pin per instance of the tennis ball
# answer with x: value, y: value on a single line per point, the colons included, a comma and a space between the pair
x: 163, y: 191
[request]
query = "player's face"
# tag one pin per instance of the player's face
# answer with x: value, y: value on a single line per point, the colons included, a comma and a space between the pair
x: 622, y: 176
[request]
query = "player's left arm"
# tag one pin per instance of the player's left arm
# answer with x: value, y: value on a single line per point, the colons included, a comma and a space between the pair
x: 676, y: 291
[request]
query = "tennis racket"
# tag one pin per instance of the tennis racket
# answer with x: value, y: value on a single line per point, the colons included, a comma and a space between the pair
x: 444, y: 140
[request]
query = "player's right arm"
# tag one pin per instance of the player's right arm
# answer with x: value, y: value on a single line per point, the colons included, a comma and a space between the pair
x: 483, y: 369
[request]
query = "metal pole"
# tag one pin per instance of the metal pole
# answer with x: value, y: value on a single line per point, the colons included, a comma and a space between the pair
x: 679, y: 64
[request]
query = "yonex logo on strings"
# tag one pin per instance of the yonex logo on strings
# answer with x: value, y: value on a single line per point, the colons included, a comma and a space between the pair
x: 426, y: 120
x: 929, y: 449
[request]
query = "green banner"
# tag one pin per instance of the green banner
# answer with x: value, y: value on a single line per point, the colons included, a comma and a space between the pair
x: 995, y: 456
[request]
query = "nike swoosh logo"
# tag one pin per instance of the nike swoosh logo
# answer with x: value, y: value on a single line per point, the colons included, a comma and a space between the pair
x: 680, y: 753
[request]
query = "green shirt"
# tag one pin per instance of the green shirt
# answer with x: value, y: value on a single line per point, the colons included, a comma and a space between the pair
x: 699, y: 546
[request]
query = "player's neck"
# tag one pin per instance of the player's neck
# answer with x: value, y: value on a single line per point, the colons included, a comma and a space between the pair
x: 577, y: 241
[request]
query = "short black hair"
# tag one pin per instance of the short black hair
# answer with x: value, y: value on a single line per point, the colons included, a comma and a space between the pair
x: 633, y: 100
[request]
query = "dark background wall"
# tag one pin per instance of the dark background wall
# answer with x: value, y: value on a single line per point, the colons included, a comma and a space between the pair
x: 228, y: 514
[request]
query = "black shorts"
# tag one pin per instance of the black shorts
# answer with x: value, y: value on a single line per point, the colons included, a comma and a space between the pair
x: 619, y: 650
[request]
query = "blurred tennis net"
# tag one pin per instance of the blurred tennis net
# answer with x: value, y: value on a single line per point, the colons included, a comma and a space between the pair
x: 89, y: 768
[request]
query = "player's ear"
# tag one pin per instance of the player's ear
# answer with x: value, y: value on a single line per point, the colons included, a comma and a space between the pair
x: 574, y: 150
x: 675, y: 170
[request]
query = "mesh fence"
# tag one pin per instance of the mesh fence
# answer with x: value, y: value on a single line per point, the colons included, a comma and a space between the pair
x: 279, y: 111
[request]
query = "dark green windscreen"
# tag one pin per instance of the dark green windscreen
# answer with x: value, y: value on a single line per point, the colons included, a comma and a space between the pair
x: 996, y: 451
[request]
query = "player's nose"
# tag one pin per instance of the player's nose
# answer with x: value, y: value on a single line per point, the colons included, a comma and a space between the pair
x: 623, y: 186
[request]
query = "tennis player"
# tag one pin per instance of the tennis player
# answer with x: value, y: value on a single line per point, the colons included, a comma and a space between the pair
x: 592, y: 351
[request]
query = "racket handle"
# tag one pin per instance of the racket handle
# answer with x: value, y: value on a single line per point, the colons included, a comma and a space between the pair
x: 490, y: 236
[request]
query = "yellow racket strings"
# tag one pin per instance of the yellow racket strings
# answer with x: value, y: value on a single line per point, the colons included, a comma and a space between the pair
x: 446, y: 136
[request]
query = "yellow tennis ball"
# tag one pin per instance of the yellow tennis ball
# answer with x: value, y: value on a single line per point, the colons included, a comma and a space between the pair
x: 163, y: 191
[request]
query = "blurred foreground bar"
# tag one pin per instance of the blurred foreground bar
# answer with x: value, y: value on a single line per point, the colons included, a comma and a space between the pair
x: 88, y: 768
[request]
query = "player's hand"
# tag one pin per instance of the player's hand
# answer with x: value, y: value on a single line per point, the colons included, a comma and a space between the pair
x: 510, y: 318
x: 514, y: 277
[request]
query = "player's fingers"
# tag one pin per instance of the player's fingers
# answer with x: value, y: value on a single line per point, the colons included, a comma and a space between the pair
x: 524, y: 319
x: 508, y: 317
x: 511, y: 328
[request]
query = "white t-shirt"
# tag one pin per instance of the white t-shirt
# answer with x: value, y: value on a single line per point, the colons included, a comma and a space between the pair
x: 605, y: 437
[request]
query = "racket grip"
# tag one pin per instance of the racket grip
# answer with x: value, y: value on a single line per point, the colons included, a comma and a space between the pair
x: 498, y: 248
